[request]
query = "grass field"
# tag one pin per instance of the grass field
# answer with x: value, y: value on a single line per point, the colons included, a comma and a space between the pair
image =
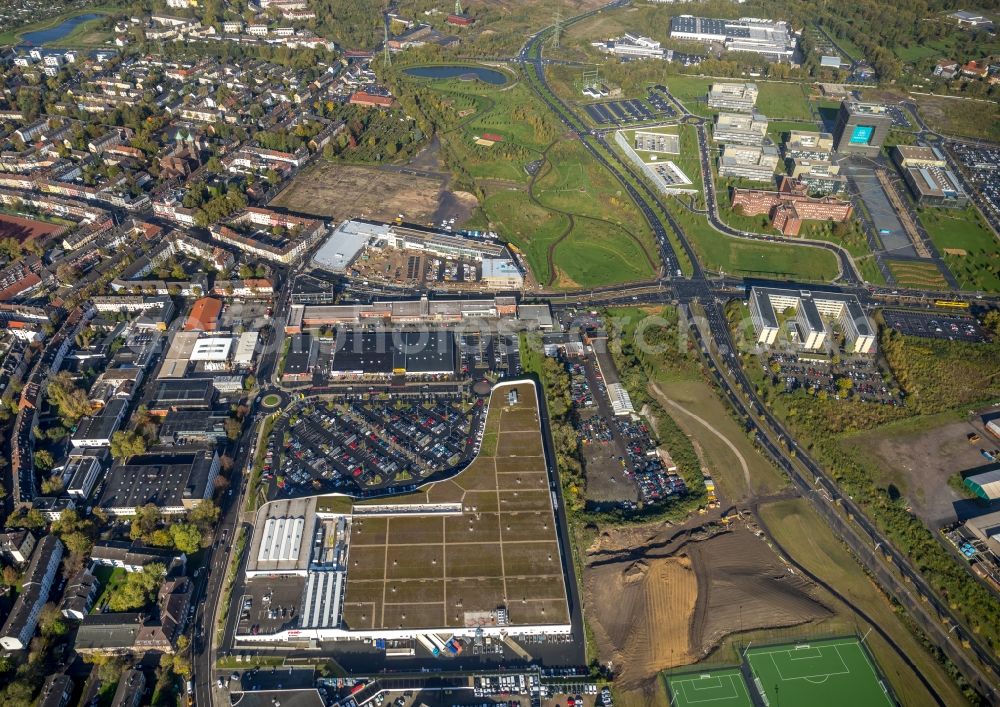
x: 697, y: 400
x: 713, y: 688
x: 430, y: 570
x: 778, y: 101
x: 959, y: 116
x: 916, y: 274
x: 819, y: 674
x: 575, y: 224
x: 979, y: 268
x: 736, y: 256
x: 784, y: 101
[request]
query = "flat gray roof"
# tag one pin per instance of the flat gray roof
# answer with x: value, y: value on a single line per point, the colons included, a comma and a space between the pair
x: 346, y: 241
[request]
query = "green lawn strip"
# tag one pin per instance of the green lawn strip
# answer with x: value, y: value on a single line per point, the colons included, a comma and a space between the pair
x: 870, y: 270
x: 979, y: 268
x: 745, y: 257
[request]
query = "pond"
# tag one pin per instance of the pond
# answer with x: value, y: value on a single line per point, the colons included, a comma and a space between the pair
x: 54, y: 34
x: 491, y: 76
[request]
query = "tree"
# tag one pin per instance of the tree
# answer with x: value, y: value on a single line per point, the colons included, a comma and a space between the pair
x: 186, y: 537
x: 232, y: 427
x: 992, y: 322
x: 44, y: 462
x: 138, y: 588
x: 144, y: 521
x: 181, y: 665
x: 78, y: 543
x: 50, y: 621
x: 127, y: 444
x: 70, y: 400
x: 10, y: 576
x: 204, y: 515
x: 109, y: 667
x: 67, y: 273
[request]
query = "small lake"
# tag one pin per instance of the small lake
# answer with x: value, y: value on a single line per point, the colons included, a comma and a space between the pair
x: 491, y: 76
x: 54, y: 34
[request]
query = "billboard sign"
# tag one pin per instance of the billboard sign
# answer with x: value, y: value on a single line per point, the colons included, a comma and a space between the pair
x: 862, y: 134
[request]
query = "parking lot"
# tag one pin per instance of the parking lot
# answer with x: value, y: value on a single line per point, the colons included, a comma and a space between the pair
x: 899, y: 117
x: 953, y: 327
x: 655, y: 106
x: 983, y: 164
x: 862, y: 378
x: 620, y: 455
x: 363, y: 444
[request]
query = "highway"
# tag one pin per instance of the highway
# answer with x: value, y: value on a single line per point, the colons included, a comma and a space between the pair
x: 932, y: 614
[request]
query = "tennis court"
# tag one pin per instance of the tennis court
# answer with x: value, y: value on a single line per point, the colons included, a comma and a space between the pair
x: 718, y: 688
x: 819, y: 674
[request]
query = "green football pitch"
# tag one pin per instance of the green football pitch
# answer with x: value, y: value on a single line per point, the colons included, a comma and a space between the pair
x: 716, y: 688
x: 827, y: 673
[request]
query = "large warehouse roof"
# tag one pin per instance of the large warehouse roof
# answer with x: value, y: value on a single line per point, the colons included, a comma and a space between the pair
x: 283, y: 534
x: 985, y: 485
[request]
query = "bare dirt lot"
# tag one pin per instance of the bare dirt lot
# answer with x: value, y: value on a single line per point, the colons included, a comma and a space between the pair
x: 746, y: 587
x: 659, y: 597
x: 649, y: 627
x: 919, y: 463
x: 340, y: 191
x: 24, y: 229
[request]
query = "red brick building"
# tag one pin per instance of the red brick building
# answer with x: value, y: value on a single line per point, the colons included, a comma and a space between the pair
x: 460, y: 20
x: 363, y: 98
x: 790, y: 206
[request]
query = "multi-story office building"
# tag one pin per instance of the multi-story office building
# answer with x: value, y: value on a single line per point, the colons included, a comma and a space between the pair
x: 861, y: 128
x: 740, y: 128
x: 790, y: 205
x: 808, y: 144
x: 926, y: 173
x: 733, y: 96
x: 749, y: 162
